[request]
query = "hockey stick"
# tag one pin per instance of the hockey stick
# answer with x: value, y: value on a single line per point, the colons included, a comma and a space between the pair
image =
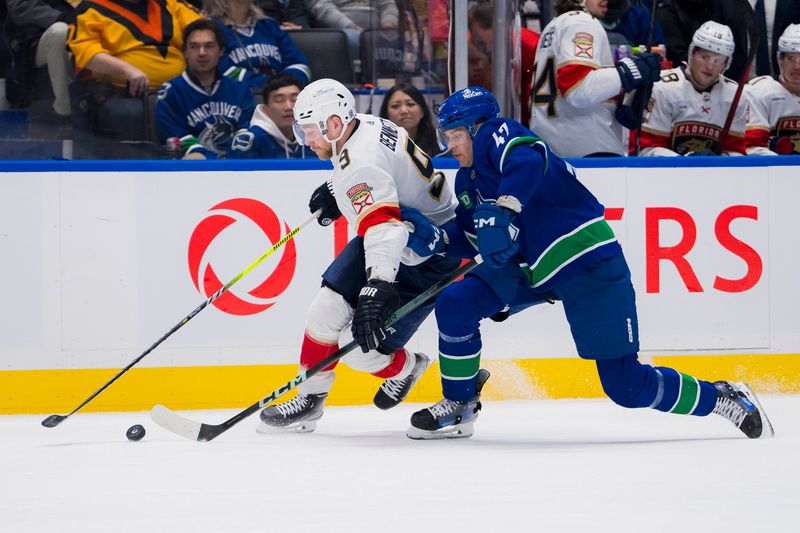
x: 54, y: 420
x: 647, y: 89
x: 172, y: 421
x: 753, y: 37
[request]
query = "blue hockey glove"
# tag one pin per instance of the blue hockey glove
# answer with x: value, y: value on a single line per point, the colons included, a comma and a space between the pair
x: 376, y: 301
x: 425, y: 239
x: 639, y: 70
x: 322, y: 198
x: 495, y: 242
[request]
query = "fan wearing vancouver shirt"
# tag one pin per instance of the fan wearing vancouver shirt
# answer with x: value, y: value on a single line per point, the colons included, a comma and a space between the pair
x: 201, y: 108
x: 257, y: 48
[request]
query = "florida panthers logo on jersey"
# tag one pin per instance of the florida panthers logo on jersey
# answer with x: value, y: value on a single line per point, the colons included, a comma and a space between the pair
x: 361, y: 197
x: 787, y: 133
x: 695, y: 137
x: 584, y: 44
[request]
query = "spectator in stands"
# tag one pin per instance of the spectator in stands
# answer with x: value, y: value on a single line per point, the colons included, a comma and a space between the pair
x: 126, y: 54
x: 354, y: 16
x: 270, y: 135
x: 576, y: 82
x: 201, y: 108
x: 36, y: 31
x: 257, y: 46
x: 680, y: 19
x: 773, y: 107
x: 689, y: 106
x: 290, y: 14
x: 404, y: 105
x: 481, y: 18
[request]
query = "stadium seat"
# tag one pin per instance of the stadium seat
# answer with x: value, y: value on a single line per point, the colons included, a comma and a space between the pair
x: 327, y: 53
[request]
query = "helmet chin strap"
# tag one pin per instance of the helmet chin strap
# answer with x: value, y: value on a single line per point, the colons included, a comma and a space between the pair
x: 334, y: 153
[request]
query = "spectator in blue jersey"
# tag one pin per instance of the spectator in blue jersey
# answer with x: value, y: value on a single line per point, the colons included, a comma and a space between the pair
x: 543, y: 237
x: 200, y: 107
x: 270, y: 135
x: 258, y: 48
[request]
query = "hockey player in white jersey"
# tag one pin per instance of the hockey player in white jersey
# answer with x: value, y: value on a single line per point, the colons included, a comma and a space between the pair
x: 376, y: 168
x: 576, y: 83
x: 773, y: 106
x: 689, y: 105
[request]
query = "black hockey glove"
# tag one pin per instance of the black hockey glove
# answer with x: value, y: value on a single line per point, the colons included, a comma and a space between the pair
x: 630, y: 114
x: 639, y: 70
x: 322, y: 198
x: 376, y: 301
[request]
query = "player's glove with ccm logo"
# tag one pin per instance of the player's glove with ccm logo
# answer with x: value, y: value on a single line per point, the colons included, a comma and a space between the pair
x: 423, y: 238
x: 495, y: 242
x: 639, y: 70
x: 322, y: 198
x: 376, y: 301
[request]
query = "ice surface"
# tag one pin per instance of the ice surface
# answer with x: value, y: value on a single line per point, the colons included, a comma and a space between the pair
x: 566, y: 465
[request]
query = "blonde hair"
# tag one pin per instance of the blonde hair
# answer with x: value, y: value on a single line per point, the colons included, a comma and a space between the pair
x: 218, y: 9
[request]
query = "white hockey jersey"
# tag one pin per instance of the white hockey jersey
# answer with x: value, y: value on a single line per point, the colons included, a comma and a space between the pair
x: 573, y: 123
x: 773, y: 118
x: 680, y: 119
x: 378, y: 169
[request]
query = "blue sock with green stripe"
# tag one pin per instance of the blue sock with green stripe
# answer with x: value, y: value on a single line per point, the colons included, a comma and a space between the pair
x: 459, y: 310
x: 631, y: 384
x: 459, y: 362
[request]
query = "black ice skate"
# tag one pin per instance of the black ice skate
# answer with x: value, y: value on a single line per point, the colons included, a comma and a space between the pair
x: 394, y: 391
x: 738, y: 403
x: 300, y: 414
x: 448, y: 419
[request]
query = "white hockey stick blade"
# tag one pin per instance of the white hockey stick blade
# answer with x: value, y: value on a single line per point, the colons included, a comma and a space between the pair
x: 460, y: 431
x: 172, y: 421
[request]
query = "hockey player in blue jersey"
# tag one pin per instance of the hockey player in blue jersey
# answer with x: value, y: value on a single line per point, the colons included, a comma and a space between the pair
x: 543, y: 237
x: 258, y: 48
x: 270, y: 135
x: 201, y: 108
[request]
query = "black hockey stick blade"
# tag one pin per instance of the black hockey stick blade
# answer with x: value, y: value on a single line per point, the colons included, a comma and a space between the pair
x: 53, y: 420
x: 178, y: 424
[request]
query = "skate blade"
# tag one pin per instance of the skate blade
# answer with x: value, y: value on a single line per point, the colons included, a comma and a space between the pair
x: 306, y: 426
x: 766, y: 426
x: 460, y: 431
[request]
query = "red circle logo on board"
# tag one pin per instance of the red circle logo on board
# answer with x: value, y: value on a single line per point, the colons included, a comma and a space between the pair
x: 264, y: 295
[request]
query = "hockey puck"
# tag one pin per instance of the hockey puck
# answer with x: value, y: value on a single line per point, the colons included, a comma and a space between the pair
x: 135, y: 432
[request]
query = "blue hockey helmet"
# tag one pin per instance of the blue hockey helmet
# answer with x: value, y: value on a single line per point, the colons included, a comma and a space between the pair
x: 466, y: 109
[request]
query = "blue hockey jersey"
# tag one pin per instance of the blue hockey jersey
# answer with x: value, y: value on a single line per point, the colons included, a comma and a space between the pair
x: 254, y: 54
x: 205, y: 122
x: 561, y: 226
x: 264, y: 140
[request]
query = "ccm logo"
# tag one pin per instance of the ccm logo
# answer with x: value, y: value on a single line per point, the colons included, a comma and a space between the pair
x: 482, y: 222
x: 656, y: 253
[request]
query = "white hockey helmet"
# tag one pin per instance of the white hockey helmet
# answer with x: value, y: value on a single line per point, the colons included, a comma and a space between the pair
x: 790, y: 39
x: 714, y: 37
x: 319, y: 101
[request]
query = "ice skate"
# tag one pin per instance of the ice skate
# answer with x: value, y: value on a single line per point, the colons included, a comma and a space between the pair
x: 299, y: 415
x: 394, y: 391
x: 448, y: 419
x: 738, y: 403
